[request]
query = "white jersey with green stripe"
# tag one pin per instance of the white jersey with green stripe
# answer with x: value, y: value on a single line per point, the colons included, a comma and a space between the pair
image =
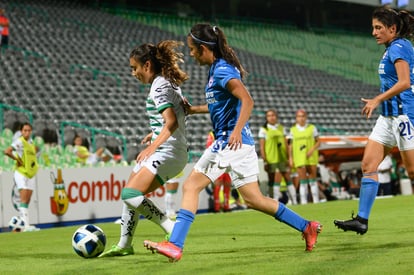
x: 164, y: 95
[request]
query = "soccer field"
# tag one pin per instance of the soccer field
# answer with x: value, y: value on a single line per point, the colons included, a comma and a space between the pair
x: 243, y: 242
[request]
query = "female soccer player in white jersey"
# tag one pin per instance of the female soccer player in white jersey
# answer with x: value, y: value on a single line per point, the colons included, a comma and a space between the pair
x: 394, y: 126
x: 233, y: 151
x: 166, y: 153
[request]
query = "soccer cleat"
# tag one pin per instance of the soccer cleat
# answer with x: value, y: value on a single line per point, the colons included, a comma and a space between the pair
x: 30, y: 228
x: 117, y: 251
x: 171, y: 251
x: 357, y: 224
x: 310, y: 234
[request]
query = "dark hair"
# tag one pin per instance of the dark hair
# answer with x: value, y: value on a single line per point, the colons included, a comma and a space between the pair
x: 270, y: 110
x: 403, y: 20
x: 164, y: 59
x: 214, y: 39
x: 25, y: 124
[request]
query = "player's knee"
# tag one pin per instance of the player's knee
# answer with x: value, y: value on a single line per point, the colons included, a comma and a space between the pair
x: 367, y: 167
x: 410, y: 173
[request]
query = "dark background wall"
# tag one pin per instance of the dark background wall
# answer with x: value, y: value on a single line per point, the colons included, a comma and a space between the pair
x: 302, y: 13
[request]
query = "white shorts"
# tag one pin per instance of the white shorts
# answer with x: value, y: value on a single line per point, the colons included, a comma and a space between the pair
x: 242, y: 164
x: 165, y: 165
x: 23, y: 182
x: 394, y: 131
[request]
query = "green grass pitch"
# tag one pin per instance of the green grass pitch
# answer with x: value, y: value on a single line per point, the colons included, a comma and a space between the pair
x: 245, y: 242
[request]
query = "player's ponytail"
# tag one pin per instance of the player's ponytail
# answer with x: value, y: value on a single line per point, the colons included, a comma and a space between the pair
x: 407, y: 25
x: 213, y: 38
x: 169, y: 59
x: 164, y: 59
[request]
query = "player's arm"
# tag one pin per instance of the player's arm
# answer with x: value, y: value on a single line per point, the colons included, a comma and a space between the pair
x: 403, y: 83
x: 147, y: 139
x: 314, y: 147
x: 262, y: 143
x: 170, y: 125
x: 237, y: 89
x: 290, y: 152
x: 199, y: 109
x: 9, y: 152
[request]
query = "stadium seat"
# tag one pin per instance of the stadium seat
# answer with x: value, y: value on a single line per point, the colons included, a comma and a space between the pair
x: 69, y: 81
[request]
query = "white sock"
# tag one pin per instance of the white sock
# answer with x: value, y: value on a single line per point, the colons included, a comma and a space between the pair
x: 292, y: 193
x: 303, y: 192
x: 314, y: 190
x: 151, y: 212
x: 24, y: 214
x: 129, y: 222
x: 170, y: 203
x: 276, y: 191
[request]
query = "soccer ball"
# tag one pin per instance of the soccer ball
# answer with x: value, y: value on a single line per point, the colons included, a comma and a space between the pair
x: 88, y: 241
x: 16, y: 224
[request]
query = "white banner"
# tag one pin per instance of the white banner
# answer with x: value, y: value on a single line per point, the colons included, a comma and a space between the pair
x: 79, y: 194
x: 75, y: 195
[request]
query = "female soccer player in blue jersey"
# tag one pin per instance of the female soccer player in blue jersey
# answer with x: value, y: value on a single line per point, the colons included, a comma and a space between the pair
x: 233, y: 151
x: 394, y: 126
x: 166, y: 153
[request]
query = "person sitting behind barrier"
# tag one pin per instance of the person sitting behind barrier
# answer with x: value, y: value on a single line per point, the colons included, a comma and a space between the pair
x: 84, y: 156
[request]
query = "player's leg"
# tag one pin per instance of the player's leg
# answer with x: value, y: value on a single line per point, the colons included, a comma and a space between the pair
x: 172, y: 249
x: 284, y: 169
x: 312, y: 173
x: 192, y: 187
x: 170, y: 198
x: 25, y: 195
x: 303, y: 184
x: 373, y: 155
x: 276, y: 184
x: 408, y: 160
x: 139, y: 183
x: 226, y: 191
x: 255, y: 199
x: 25, y: 187
x: 244, y: 176
x: 216, y: 195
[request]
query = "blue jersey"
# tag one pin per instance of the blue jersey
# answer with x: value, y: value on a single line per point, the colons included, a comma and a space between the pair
x: 224, y: 108
x: 402, y: 103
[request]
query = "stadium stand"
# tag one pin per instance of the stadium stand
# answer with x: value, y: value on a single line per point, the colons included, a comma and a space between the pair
x: 69, y: 62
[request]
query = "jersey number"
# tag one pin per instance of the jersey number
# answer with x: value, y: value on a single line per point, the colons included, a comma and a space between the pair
x: 156, y: 163
x: 405, y: 129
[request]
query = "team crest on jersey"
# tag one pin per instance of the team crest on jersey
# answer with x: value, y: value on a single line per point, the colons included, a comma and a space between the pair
x: 210, y: 82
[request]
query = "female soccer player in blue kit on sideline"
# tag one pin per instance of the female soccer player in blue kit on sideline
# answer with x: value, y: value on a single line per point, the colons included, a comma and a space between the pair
x: 233, y: 151
x: 395, y: 124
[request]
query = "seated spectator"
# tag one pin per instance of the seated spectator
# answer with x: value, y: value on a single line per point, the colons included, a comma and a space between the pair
x: 84, y: 156
x: 326, y: 177
x: 384, y: 176
x: 353, y: 181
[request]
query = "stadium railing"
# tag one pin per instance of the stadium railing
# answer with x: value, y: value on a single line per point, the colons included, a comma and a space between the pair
x: 94, y: 132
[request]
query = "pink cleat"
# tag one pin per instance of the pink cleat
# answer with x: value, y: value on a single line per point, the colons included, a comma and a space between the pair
x: 311, y: 234
x: 170, y: 250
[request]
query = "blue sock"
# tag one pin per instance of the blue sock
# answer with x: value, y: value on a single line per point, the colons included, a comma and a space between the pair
x: 367, y: 194
x: 290, y: 218
x: 182, y: 225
